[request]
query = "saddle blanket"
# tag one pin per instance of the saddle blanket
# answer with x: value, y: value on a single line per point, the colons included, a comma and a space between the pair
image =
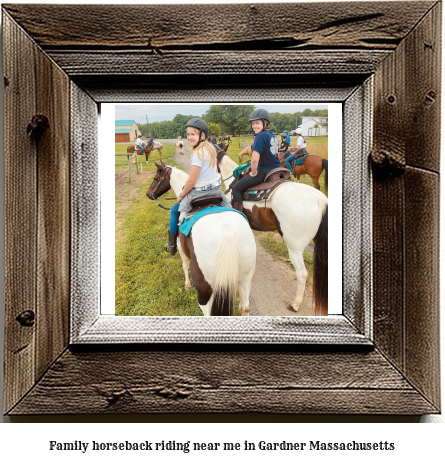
x: 187, y: 225
x: 300, y: 161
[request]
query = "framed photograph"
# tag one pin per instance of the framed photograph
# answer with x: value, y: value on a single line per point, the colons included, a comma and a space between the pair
x: 377, y: 352
x: 139, y: 279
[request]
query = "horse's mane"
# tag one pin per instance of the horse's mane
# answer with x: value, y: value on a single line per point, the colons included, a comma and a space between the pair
x: 180, y: 173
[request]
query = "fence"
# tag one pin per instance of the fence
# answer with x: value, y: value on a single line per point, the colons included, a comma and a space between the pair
x: 125, y: 177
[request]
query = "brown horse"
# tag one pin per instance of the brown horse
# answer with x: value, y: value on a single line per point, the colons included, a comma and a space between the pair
x: 147, y: 150
x: 313, y: 165
x: 225, y: 146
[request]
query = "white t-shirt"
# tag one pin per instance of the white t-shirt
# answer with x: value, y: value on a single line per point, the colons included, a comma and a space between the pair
x: 301, y: 142
x: 208, y: 173
x: 138, y: 141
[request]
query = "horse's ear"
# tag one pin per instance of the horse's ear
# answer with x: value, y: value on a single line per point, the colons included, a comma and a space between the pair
x: 162, y: 163
x: 158, y: 166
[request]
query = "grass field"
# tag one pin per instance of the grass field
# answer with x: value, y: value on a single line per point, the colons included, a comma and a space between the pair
x: 148, y: 281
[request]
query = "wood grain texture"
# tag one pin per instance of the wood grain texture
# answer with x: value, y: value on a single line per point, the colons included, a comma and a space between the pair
x: 53, y: 194
x: 129, y: 62
x: 422, y: 190
x: 370, y: 25
x: 423, y: 92
x: 406, y: 205
x: 20, y: 212
x: 219, y: 382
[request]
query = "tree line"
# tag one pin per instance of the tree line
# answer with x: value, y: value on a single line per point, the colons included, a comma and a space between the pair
x: 224, y: 120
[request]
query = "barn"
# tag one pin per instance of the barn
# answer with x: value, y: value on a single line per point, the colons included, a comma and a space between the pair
x: 125, y: 131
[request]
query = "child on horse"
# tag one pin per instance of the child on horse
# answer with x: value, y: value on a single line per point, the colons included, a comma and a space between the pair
x: 299, y: 152
x: 204, y: 179
x: 264, y: 156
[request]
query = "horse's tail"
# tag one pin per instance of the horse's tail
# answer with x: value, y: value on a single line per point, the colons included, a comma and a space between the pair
x: 226, y: 276
x: 320, y: 282
x: 324, y: 165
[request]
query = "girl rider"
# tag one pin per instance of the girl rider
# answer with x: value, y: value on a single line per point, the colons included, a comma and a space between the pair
x: 204, y: 179
x: 299, y: 152
x: 264, y: 156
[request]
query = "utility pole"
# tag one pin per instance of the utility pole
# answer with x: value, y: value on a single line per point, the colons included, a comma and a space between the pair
x: 147, y: 123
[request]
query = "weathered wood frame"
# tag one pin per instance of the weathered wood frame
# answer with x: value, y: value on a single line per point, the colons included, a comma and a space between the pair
x: 382, y: 359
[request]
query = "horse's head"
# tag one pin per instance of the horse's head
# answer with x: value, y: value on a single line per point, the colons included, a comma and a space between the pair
x: 161, y: 181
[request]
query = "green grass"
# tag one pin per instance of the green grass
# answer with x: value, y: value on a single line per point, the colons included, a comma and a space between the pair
x: 148, y: 281
x: 121, y: 162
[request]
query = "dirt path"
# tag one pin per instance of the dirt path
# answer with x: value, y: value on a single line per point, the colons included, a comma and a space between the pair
x: 274, y: 281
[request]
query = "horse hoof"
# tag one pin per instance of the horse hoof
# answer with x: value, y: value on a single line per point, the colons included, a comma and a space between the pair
x: 291, y: 308
x: 188, y: 286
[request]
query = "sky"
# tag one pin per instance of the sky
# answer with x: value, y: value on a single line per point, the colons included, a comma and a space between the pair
x: 166, y: 112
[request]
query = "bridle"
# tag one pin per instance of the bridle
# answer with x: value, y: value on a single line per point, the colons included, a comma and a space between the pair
x: 165, y: 173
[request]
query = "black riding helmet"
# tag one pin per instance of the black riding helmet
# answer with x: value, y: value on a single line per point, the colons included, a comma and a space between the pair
x: 200, y: 124
x: 262, y: 115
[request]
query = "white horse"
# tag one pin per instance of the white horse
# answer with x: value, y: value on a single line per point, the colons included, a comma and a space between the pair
x: 300, y: 214
x: 221, y: 248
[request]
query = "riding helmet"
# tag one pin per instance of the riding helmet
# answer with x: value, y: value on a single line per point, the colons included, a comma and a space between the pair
x: 283, y: 135
x: 298, y: 131
x: 260, y: 114
x: 200, y: 124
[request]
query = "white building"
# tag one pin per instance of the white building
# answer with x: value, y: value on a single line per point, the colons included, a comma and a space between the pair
x: 312, y: 126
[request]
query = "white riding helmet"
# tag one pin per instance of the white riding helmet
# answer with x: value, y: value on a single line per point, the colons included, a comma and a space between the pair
x: 298, y: 131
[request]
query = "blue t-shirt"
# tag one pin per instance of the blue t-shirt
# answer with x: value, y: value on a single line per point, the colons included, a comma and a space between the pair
x: 266, y: 144
x: 288, y: 139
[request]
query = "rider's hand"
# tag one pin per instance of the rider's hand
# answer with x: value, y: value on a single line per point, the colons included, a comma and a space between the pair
x: 253, y: 175
x: 178, y: 199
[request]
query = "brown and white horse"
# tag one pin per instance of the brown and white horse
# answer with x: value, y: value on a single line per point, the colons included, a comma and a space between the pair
x: 300, y: 214
x: 147, y: 150
x: 180, y: 145
x: 221, y: 248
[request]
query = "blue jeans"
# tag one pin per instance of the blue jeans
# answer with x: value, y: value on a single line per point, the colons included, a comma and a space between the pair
x: 174, y: 218
x: 288, y: 160
x: 140, y: 147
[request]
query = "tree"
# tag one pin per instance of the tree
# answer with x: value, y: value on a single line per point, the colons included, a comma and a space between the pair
x: 213, y: 127
x: 232, y: 119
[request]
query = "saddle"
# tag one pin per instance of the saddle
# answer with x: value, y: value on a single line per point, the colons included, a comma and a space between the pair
x: 265, y: 190
x: 199, y: 204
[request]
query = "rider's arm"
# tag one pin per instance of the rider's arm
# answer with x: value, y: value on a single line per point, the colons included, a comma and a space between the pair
x: 190, y: 183
x: 254, y: 163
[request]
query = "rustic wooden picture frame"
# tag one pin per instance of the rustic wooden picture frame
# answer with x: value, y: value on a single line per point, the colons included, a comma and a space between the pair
x: 384, y: 359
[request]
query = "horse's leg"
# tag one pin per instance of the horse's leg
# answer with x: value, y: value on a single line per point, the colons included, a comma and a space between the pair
x: 185, y: 265
x: 244, y: 293
x: 315, y: 181
x: 296, y: 257
x: 207, y: 308
x: 205, y: 292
